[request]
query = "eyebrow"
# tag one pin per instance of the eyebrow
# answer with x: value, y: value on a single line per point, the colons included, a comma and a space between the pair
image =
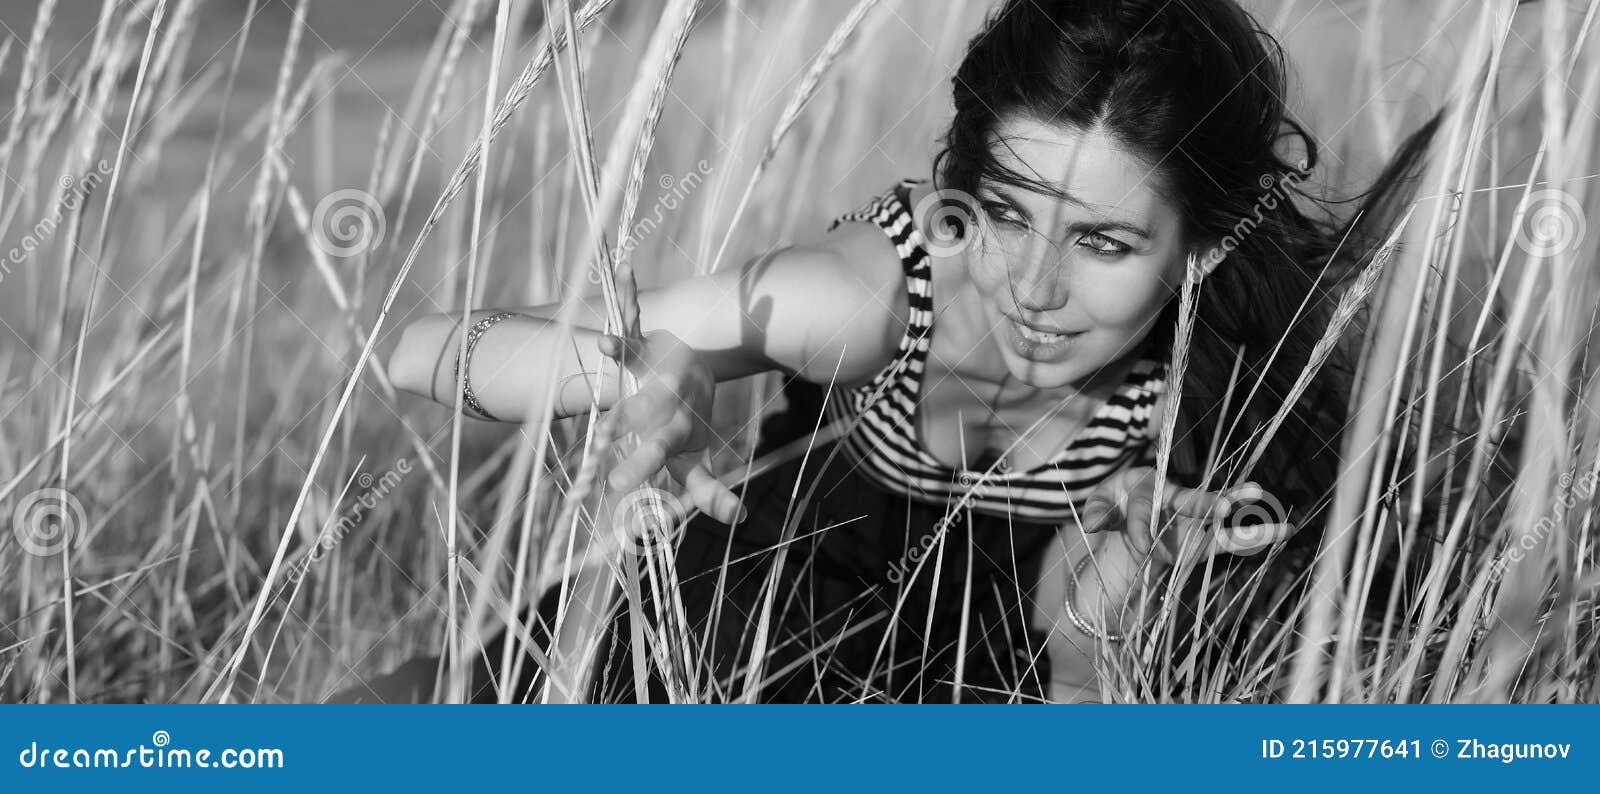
x: 1066, y: 195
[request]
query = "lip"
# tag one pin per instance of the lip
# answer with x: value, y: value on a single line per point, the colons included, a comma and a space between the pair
x: 1041, y: 352
x: 1043, y: 329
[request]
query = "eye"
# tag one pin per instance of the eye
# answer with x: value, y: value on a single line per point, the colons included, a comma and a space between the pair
x: 1004, y: 214
x: 1103, y: 245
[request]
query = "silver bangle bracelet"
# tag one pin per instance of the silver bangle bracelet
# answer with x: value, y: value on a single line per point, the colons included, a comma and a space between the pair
x: 1072, y: 614
x: 468, y: 399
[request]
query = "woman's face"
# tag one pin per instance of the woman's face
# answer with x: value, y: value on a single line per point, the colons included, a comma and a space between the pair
x: 1072, y: 283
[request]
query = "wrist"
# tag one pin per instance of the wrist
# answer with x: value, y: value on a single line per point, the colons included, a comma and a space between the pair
x: 673, y: 355
x: 666, y: 347
x: 461, y: 372
x: 1102, y: 592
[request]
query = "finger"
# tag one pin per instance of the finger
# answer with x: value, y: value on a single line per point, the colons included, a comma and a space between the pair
x: 1195, y: 545
x: 1197, y: 503
x: 625, y: 350
x: 1099, y: 512
x: 627, y: 298
x: 1246, y: 492
x: 1183, y: 539
x: 606, y: 430
x: 652, y: 420
x: 675, y: 433
x: 615, y: 424
x: 646, y: 460
x: 1141, y: 508
x: 610, y: 346
x: 620, y: 348
x: 1251, y: 539
x: 707, y: 492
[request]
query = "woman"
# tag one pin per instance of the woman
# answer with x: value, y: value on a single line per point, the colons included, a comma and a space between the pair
x: 997, y: 338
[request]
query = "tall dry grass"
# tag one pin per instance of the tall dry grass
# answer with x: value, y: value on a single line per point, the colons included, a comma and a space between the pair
x: 216, y: 493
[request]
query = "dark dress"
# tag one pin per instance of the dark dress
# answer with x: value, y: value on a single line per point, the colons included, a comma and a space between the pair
x: 855, y: 619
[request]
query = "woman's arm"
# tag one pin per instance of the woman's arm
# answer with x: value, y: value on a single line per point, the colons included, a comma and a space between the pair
x: 835, y: 309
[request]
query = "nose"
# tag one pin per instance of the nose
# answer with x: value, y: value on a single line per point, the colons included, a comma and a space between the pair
x: 1039, y: 284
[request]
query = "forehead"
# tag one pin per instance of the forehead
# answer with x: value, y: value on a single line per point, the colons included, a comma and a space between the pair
x: 1106, y: 179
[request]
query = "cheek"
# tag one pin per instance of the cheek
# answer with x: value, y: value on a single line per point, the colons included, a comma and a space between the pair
x: 1121, y: 298
x: 987, y: 270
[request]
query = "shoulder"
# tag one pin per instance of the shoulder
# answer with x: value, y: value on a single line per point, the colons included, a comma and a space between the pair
x: 856, y: 255
x: 862, y: 248
x: 837, y: 304
x: 846, y: 267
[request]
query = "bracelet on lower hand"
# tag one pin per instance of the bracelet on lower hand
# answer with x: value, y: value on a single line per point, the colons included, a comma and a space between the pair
x: 476, y: 331
x: 1072, y: 614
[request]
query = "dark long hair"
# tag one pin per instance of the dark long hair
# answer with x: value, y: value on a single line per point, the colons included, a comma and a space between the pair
x: 1198, y: 89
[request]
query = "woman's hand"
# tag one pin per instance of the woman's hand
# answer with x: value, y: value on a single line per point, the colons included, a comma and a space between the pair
x: 1124, y: 501
x: 1102, y: 595
x: 1108, y: 592
x: 671, y: 415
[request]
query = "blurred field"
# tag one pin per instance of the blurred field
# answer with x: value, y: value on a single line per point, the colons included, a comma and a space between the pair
x: 168, y: 390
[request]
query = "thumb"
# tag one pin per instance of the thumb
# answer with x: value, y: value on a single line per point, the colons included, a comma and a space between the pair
x: 1099, y: 513
x: 625, y: 350
x: 1141, y: 529
x: 608, y: 345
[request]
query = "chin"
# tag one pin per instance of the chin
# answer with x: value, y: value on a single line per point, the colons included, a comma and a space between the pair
x: 1043, y: 375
